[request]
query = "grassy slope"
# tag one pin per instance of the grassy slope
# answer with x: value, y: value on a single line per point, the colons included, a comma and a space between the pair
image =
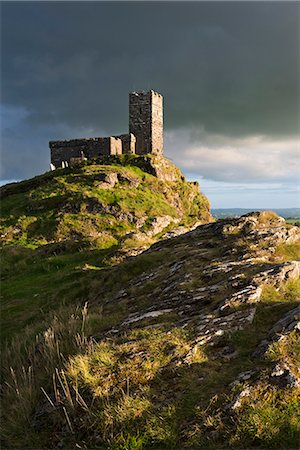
x: 136, y: 390
x: 68, y: 386
x: 57, y: 226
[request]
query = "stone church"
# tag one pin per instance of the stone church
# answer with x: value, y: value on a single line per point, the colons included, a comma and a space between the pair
x: 145, y: 134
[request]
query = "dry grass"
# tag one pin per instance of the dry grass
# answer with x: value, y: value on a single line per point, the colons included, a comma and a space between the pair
x: 104, y: 385
x: 287, y: 292
x: 288, y: 252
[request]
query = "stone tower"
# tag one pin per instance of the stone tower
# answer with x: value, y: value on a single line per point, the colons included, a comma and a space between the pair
x: 146, y: 121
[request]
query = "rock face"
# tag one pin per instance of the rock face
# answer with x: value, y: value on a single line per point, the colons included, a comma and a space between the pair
x: 217, y: 288
x: 289, y: 322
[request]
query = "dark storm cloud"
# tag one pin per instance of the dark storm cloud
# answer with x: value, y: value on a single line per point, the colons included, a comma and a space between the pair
x: 229, y: 68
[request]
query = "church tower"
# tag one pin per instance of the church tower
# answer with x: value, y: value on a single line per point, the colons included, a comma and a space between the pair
x: 146, y: 121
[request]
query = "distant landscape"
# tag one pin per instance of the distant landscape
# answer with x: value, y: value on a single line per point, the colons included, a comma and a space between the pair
x: 286, y: 213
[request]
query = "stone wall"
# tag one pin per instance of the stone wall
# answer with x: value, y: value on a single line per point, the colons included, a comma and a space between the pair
x: 145, y: 134
x: 128, y: 143
x: 139, y: 121
x: 89, y: 148
x: 156, y: 123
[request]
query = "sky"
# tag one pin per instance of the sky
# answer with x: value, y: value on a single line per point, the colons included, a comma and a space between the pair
x: 229, y: 73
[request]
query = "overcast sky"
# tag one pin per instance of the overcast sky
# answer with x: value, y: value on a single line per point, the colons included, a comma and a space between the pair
x: 229, y: 73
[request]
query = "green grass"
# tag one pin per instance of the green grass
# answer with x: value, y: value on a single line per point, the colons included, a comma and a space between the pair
x: 68, y: 380
x: 55, y: 228
x: 288, y: 252
x: 136, y: 389
x: 57, y: 206
x: 269, y: 419
x: 287, y: 292
x: 293, y: 221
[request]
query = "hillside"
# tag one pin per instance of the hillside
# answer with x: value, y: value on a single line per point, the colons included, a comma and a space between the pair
x: 57, y: 225
x: 193, y: 343
x: 101, y: 204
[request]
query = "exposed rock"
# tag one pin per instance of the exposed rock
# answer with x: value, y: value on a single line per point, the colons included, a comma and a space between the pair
x: 277, y: 273
x: 238, y: 400
x: 108, y: 180
x: 250, y: 294
x: 243, y: 376
x: 159, y: 223
x: 179, y: 231
x: 216, y: 290
x: 289, y: 322
x: 210, y: 328
x: 136, y: 318
x: 227, y: 353
x: 283, y: 376
x: 162, y: 168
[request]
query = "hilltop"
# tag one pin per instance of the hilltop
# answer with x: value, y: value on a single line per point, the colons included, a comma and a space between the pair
x: 105, y: 201
x: 188, y: 339
x: 57, y: 225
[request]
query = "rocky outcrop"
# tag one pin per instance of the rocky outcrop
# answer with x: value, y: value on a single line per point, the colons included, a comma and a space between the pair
x: 162, y: 168
x: 289, y: 322
x: 185, y: 336
x: 216, y: 289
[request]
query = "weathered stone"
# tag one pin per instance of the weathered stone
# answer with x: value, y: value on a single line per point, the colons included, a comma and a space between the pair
x: 110, y: 179
x: 283, y: 376
x: 159, y: 223
x: 289, y: 322
x: 227, y: 353
x: 146, y: 121
x: 211, y: 328
x: 277, y: 273
x: 150, y: 314
x: 238, y: 400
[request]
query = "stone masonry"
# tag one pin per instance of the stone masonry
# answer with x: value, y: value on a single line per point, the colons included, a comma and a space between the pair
x: 146, y: 121
x: 145, y: 134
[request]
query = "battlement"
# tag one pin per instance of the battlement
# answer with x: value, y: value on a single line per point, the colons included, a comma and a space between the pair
x: 145, y: 134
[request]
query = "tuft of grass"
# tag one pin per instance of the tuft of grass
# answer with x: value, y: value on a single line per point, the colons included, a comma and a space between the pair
x: 265, y: 217
x: 287, y: 292
x: 269, y: 417
x: 288, y: 252
x: 287, y: 349
x: 106, y: 385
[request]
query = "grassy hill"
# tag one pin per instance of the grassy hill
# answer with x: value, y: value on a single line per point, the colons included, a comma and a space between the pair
x: 59, y: 225
x: 193, y: 343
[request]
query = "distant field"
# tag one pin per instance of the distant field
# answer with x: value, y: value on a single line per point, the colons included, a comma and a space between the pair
x: 293, y: 220
x: 291, y: 215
